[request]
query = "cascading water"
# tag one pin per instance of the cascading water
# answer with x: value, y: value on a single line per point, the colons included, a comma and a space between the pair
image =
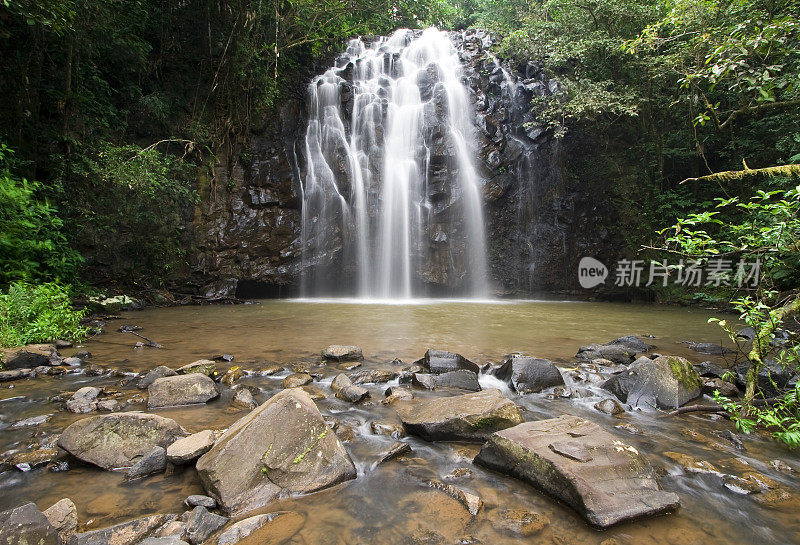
x: 391, y: 196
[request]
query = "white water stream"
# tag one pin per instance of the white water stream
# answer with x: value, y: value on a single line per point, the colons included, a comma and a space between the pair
x: 368, y: 167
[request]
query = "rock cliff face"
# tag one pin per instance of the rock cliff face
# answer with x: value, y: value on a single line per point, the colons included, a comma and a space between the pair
x: 539, y: 224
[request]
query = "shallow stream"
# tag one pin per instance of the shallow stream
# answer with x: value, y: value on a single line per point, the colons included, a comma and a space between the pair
x: 390, y: 503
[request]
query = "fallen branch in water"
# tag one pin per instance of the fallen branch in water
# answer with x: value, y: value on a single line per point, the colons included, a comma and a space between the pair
x: 151, y: 344
x: 697, y: 409
x: 717, y: 407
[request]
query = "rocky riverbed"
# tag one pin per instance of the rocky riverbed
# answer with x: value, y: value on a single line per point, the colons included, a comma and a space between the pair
x: 350, y: 446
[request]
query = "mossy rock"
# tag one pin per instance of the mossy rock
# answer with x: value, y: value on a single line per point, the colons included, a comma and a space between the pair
x: 666, y: 382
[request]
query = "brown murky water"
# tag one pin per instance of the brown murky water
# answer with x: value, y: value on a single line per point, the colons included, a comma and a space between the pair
x: 390, y: 504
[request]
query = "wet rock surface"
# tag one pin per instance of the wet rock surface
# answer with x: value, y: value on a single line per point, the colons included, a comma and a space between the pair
x: 84, y: 400
x: 201, y: 523
x: 159, y: 372
x: 527, y: 375
x: 297, y: 379
x: 579, y: 463
x: 284, y: 444
x: 119, y: 439
x: 616, y: 353
x: 26, y: 525
x: 187, y: 449
x: 63, y: 515
x: 441, y: 361
x: 29, y: 356
x: 338, y: 352
x: 461, y: 380
x: 467, y: 417
x: 344, y: 389
x: 126, y: 533
x: 666, y: 382
x: 185, y: 389
x: 204, y: 367
x: 152, y: 462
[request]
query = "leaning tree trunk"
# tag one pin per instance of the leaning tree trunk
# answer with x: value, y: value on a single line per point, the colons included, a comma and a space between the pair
x: 761, y: 343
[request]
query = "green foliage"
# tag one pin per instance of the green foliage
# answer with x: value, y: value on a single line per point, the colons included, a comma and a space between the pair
x: 82, y: 80
x: 38, y: 313
x: 32, y: 243
x: 782, y: 418
x: 583, y: 45
x: 767, y: 228
x: 734, y: 57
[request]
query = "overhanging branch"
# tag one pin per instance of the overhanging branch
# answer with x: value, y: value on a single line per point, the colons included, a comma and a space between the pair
x: 790, y: 171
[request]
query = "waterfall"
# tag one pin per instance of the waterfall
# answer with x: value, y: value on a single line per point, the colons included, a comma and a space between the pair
x: 392, y: 201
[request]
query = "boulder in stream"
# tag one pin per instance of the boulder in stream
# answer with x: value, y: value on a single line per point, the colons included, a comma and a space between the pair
x: 16, y: 374
x: 461, y: 380
x: 126, y: 533
x: 187, y: 449
x: 469, y: 417
x: 296, y: 380
x: 151, y: 463
x: 243, y: 399
x: 773, y: 378
x: 29, y: 356
x: 26, y: 525
x: 372, y: 376
x: 63, y: 515
x: 609, y: 406
x: 579, y: 463
x: 84, y: 400
x: 711, y: 349
x: 441, y: 361
x: 118, y: 440
x: 338, y: 352
x: 201, y: 523
x: 159, y: 372
x: 529, y: 375
x: 205, y: 367
x: 617, y: 353
x: 666, y: 382
x: 188, y: 389
x: 282, y: 445
x: 345, y: 390
x: 631, y: 342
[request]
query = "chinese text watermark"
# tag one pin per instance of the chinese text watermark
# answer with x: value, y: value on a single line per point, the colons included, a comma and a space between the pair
x: 690, y: 273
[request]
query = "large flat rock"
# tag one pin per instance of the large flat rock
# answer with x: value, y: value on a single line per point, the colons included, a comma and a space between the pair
x: 581, y: 464
x: 469, y: 417
x: 120, y: 439
x: 282, y: 445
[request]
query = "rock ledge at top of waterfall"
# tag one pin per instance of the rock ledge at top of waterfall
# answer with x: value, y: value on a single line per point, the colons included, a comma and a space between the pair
x: 579, y: 463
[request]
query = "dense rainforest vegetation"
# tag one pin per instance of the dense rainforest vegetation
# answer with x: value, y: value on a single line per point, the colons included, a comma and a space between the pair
x: 111, y: 111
